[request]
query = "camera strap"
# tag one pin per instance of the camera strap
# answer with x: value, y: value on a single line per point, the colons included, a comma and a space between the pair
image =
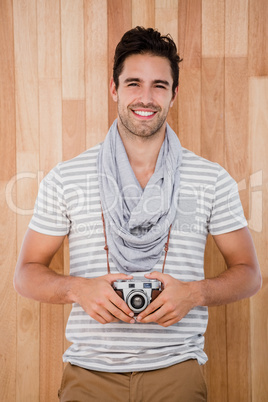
x: 107, y: 249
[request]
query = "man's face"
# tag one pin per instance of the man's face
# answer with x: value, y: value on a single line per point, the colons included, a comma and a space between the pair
x: 144, y: 95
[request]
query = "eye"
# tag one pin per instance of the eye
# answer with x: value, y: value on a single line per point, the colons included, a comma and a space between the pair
x: 160, y: 86
x: 133, y: 84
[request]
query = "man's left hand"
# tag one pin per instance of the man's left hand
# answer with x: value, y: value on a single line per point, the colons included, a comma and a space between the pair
x: 172, y: 304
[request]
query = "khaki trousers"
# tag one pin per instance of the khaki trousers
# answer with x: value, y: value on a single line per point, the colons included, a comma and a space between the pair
x: 182, y: 382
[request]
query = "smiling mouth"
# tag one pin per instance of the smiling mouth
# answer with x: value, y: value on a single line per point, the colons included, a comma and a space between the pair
x: 143, y: 113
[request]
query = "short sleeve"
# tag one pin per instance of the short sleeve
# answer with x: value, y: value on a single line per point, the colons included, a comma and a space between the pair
x: 50, y: 215
x: 227, y: 212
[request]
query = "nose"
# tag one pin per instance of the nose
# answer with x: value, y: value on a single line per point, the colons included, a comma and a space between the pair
x: 146, y: 95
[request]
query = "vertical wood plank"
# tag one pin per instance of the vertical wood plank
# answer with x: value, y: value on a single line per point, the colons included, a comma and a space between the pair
x: 52, y: 343
x: 236, y: 157
x: 236, y: 28
x: 96, y: 75
x: 258, y: 38
x: 143, y: 13
x: 74, y: 128
x: 50, y: 127
x: 215, y: 370
x: 189, y: 33
x: 258, y: 128
x: 27, y: 133
x: 166, y: 21
x: 212, y: 148
x: 72, y: 27
x: 190, y: 109
x: 49, y: 45
x: 236, y: 112
x: 119, y: 21
x: 238, y: 347
x: 189, y: 47
x: 50, y: 112
x: 213, y: 13
x: 212, y: 118
x: 8, y: 217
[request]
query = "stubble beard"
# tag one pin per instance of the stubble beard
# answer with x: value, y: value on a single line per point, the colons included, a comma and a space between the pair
x: 143, y: 129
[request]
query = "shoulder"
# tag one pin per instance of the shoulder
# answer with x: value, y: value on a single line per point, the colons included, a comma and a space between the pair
x: 82, y: 160
x: 197, y: 169
x: 189, y: 158
x: 82, y: 164
x: 196, y: 166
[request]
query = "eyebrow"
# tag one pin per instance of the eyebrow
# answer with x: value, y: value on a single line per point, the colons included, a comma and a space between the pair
x: 164, y: 82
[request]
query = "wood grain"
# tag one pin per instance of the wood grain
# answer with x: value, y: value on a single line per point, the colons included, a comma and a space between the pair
x: 213, y: 16
x: 258, y: 126
x: 96, y: 71
x: 190, y: 109
x: 215, y: 370
x: 55, y: 66
x: 119, y: 21
x: 49, y: 39
x: 236, y: 156
x: 51, y: 342
x: 143, y: 13
x: 50, y: 134
x: 73, y: 128
x: 212, y: 115
x: 72, y: 29
x: 236, y: 28
x: 50, y: 114
x: 166, y: 21
x: 236, y: 121
x: 189, y: 47
x: 27, y: 146
x: 8, y: 336
x: 258, y: 38
x: 189, y: 33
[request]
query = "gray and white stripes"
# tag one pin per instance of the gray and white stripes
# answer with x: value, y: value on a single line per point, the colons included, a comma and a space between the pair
x: 69, y: 204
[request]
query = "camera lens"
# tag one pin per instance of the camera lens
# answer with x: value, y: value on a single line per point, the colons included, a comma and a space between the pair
x: 137, y: 301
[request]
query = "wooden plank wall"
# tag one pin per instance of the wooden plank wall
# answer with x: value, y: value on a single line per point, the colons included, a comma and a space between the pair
x: 55, y: 65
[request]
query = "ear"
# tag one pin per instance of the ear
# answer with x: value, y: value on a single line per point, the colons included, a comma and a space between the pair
x: 113, y: 90
x: 174, y: 97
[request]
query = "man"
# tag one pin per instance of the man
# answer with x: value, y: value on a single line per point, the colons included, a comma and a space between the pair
x: 151, y: 204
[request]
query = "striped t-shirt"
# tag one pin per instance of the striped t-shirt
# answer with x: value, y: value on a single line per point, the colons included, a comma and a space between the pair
x: 68, y: 203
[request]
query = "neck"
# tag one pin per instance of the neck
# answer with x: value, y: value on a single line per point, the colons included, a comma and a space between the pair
x: 142, y: 154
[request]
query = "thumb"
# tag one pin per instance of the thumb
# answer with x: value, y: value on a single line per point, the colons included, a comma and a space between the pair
x: 156, y: 275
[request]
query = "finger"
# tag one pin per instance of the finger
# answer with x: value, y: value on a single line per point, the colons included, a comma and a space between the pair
x: 120, y: 315
x: 103, y: 317
x: 121, y: 304
x: 156, y: 275
x: 155, y: 316
x: 167, y: 318
x: 115, y: 277
x: 152, y: 307
x: 168, y: 323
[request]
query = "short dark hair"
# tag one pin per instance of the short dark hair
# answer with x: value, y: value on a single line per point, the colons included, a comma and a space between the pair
x: 141, y: 40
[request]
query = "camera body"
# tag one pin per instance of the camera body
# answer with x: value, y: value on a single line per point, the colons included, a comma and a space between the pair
x: 138, y: 294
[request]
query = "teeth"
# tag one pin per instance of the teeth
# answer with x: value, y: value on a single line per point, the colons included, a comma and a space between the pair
x: 142, y: 113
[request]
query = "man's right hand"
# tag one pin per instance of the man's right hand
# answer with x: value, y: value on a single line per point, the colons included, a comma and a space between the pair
x: 99, y: 300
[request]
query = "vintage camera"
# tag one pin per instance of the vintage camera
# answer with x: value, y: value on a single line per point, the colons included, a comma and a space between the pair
x: 137, y: 293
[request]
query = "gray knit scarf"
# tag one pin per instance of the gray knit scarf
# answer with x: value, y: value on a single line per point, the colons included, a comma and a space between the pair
x: 137, y: 220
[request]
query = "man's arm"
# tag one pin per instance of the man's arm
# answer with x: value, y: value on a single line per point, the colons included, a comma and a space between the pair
x: 242, y: 279
x: 34, y: 279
